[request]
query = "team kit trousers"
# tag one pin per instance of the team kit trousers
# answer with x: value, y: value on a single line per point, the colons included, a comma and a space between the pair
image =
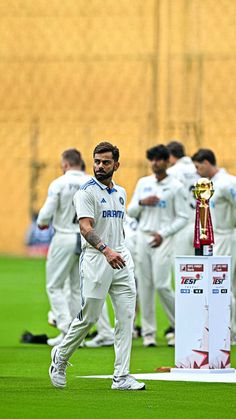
x: 63, y: 266
x: 104, y: 329
x: 97, y: 279
x: 154, y: 274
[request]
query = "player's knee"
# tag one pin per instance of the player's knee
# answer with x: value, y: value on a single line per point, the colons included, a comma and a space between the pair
x: 52, y: 289
x: 162, y: 289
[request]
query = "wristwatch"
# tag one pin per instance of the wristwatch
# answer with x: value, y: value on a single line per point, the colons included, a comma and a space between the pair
x: 102, y: 247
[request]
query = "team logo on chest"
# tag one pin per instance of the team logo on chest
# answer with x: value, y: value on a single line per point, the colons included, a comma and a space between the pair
x: 121, y: 200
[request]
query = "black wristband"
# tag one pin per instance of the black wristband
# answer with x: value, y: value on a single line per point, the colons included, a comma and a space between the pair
x: 102, y: 247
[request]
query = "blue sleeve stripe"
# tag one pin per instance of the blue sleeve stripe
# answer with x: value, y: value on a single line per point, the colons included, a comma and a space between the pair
x: 87, y: 184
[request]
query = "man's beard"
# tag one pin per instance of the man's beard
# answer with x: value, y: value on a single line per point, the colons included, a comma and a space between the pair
x: 103, y: 176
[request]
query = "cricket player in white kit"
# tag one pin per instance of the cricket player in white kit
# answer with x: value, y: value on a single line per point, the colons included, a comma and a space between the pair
x: 183, y: 169
x: 160, y: 205
x: 106, y: 266
x: 223, y: 211
x: 62, y: 260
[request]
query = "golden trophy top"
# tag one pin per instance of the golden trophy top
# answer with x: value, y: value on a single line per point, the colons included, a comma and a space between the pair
x: 203, y: 189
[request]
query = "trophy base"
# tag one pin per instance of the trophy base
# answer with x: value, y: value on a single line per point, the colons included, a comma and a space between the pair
x: 204, y: 250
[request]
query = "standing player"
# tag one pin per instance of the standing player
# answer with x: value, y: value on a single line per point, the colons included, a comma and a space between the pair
x: 183, y: 169
x: 106, y: 266
x: 62, y: 260
x: 160, y: 204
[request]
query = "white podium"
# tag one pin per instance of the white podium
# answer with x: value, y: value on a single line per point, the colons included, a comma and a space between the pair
x: 202, y: 331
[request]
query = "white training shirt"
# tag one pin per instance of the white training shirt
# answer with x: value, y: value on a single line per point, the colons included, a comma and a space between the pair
x: 58, y: 206
x: 185, y: 171
x: 223, y: 203
x: 107, y: 208
x: 169, y: 215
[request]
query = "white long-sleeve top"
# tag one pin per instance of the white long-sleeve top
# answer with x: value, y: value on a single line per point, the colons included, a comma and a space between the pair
x: 169, y: 215
x: 58, y: 207
x: 223, y: 202
x: 185, y: 171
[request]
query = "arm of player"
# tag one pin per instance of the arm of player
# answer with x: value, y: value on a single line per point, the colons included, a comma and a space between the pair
x: 48, y: 209
x: 86, y: 229
x: 181, y: 214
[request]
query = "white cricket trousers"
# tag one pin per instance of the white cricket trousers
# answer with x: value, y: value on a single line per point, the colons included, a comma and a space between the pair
x: 104, y: 329
x: 98, y: 278
x: 154, y: 274
x: 63, y: 263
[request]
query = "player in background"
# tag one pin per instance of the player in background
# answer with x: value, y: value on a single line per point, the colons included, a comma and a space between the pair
x: 106, y: 266
x: 159, y: 203
x: 63, y: 255
x: 223, y: 209
x: 183, y: 169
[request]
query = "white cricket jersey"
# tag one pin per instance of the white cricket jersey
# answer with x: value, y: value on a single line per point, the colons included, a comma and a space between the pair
x: 107, y: 208
x: 185, y: 171
x: 223, y: 203
x: 58, y: 206
x: 169, y: 215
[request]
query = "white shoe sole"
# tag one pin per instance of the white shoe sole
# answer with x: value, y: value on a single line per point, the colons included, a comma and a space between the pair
x: 129, y: 389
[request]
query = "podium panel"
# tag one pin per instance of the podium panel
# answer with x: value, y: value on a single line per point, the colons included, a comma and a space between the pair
x: 202, y: 309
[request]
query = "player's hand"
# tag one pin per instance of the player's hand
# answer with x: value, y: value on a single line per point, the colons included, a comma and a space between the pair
x: 150, y: 201
x: 157, y: 240
x: 114, y: 259
x: 43, y: 227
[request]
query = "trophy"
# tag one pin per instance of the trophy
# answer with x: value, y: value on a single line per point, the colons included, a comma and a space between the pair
x: 203, y: 235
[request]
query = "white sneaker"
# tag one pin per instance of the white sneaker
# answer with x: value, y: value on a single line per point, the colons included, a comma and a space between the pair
x: 57, y: 369
x: 149, y: 341
x: 56, y: 341
x: 98, y: 342
x: 127, y: 383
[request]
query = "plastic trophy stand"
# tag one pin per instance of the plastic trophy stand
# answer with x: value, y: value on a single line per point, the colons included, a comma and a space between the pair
x: 202, y: 332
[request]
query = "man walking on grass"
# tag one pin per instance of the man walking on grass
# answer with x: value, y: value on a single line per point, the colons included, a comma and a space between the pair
x: 106, y: 266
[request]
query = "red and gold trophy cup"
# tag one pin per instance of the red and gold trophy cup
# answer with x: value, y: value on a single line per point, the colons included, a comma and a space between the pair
x: 203, y: 234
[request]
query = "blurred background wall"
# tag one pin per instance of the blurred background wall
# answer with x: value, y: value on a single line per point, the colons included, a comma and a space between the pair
x: 134, y: 72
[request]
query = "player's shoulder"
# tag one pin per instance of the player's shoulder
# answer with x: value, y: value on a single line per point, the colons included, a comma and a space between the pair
x: 175, y: 183
x: 57, y: 183
x: 88, y: 184
x: 146, y: 180
x: 120, y: 188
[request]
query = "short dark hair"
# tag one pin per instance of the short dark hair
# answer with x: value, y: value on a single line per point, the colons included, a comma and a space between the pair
x: 104, y: 147
x: 159, y: 152
x: 72, y: 156
x: 204, y: 154
x: 176, y: 149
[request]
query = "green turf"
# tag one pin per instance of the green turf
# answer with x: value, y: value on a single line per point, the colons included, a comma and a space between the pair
x: 25, y: 390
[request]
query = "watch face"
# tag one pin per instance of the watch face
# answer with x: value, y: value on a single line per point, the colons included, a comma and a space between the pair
x: 102, y: 247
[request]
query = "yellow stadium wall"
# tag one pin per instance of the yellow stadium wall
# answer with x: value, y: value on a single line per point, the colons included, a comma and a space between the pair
x: 133, y: 72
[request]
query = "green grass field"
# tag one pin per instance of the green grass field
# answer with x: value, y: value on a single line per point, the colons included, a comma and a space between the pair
x: 25, y: 389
